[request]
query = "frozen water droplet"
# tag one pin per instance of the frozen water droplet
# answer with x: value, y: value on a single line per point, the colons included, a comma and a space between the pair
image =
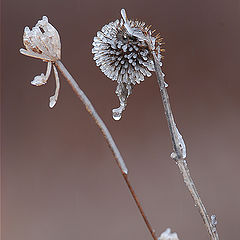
x: 52, y: 101
x: 117, y: 112
x: 181, y: 144
x: 116, y: 116
x: 214, y: 220
x: 173, y: 155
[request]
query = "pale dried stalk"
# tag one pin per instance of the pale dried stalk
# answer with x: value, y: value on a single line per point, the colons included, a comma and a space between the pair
x: 177, y: 155
x: 92, y: 111
x: 108, y: 137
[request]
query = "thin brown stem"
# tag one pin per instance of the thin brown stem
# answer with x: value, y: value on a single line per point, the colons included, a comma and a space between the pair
x: 119, y: 160
x: 180, y: 154
x: 140, y: 207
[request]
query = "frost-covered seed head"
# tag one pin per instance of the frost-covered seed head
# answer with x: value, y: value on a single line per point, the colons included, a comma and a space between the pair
x: 123, y: 51
x: 42, y: 41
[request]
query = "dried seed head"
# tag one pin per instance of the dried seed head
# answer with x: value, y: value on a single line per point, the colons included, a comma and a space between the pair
x: 123, y: 51
x: 42, y: 41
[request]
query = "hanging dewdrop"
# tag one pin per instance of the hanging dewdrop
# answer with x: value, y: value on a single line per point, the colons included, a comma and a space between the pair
x: 43, y: 42
x: 123, y: 51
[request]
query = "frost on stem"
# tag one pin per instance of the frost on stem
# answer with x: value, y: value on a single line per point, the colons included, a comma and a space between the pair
x: 181, y: 147
x: 214, y: 222
x: 122, y: 50
x: 167, y: 235
x: 43, y: 42
x: 53, y: 99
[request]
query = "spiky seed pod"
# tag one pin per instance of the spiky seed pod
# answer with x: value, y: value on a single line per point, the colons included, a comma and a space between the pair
x: 123, y: 51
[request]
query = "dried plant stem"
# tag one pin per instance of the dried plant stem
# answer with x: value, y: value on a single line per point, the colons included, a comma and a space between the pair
x: 140, y: 207
x: 182, y: 163
x: 108, y: 137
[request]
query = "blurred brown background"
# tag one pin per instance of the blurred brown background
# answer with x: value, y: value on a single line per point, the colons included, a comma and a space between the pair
x: 59, y: 178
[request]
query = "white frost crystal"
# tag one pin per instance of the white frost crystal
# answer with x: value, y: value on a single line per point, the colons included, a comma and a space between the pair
x: 214, y: 222
x: 43, y: 42
x: 122, y: 50
x: 181, y: 144
x: 167, y: 235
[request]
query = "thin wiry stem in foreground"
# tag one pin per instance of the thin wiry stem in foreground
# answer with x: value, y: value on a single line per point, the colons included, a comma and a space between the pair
x: 178, y: 156
x: 108, y: 137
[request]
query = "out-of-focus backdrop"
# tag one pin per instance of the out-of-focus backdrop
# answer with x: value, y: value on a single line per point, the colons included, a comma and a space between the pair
x: 59, y: 177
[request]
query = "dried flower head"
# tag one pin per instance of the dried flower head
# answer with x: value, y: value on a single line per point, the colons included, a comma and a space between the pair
x: 43, y: 42
x: 123, y: 51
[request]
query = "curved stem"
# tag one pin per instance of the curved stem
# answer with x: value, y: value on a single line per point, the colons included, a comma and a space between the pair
x: 119, y: 160
x: 178, y: 155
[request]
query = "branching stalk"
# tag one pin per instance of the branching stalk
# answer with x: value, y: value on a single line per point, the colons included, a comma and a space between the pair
x: 107, y: 136
x: 178, y: 155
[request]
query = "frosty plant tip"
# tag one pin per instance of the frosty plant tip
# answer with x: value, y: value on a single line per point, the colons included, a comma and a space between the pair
x: 43, y: 42
x: 123, y: 51
x: 167, y: 235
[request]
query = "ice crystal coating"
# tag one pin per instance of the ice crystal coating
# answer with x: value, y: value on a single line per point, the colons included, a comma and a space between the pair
x: 53, y: 99
x: 123, y: 51
x: 214, y: 222
x: 42, y: 41
x: 167, y: 235
x: 42, y: 79
x: 181, y: 144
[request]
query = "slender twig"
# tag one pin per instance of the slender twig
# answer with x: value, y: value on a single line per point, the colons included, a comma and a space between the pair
x: 177, y: 142
x: 140, y: 207
x: 108, y: 137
